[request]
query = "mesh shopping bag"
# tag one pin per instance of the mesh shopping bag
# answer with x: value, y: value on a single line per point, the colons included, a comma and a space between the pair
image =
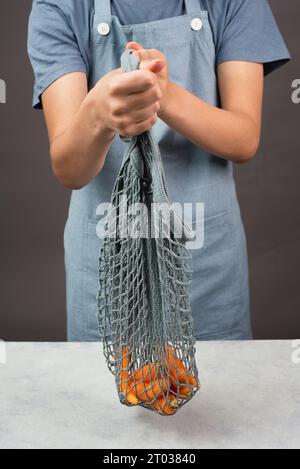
x: 145, y: 274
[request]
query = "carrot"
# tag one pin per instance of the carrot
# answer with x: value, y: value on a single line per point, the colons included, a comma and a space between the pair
x: 124, y: 371
x: 150, y: 392
x: 132, y: 399
x: 165, y: 406
x: 147, y: 373
x: 182, y: 375
x: 130, y: 396
x: 176, y: 368
x: 173, y: 401
x: 193, y: 382
x: 181, y: 391
x: 185, y: 392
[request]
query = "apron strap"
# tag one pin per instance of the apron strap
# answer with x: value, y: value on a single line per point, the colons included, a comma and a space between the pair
x: 103, y: 7
x: 192, y: 6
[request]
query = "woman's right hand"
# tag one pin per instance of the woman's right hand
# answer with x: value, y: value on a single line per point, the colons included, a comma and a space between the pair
x: 128, y: 102
x: 82, y: 124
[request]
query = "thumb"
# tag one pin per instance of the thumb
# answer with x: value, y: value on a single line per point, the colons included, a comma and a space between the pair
x: 155, y: 65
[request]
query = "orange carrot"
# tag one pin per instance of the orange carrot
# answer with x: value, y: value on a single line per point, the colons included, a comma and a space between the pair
x: 192, y: 380
x: 165, y: 406
x: 176, y: 368
x: 147, y: 373
x: 124, y: 371
x: 132, y: 399
x: 185, y: 392
x: 173, y: 401
x: 182, y: 375
x: 130, y: 396
x: 195, y: 383
x: 181, y: 391
x: 150, y: 392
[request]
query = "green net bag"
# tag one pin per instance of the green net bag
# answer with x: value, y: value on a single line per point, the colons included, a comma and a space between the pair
x: 145, y: 273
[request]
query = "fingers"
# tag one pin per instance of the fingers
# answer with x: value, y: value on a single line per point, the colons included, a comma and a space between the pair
x: 132, y: 82
x: 146, y: 54
x: 134, y: 96
x: 138, y: 128
x: 150, y: 59
x: 133, y: 45
x: 141, y: 100
x: 138, y: 116
x: 154, y: 66
x: 135, y: 101
x: 143, y: 54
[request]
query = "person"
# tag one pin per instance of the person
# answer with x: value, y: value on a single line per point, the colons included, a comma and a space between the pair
x: 199, y: 88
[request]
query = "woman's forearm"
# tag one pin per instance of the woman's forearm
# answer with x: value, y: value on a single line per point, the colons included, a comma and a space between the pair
x: 120, y: 103
x: 228, y: 134
x: 78, y: 154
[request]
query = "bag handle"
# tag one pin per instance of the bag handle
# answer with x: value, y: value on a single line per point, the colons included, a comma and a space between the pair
x: 145, y: 157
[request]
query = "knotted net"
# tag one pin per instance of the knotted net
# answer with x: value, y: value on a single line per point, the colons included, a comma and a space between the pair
x: 145, y: 273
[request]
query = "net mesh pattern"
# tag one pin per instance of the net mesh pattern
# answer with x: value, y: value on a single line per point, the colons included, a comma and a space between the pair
x: 145, y: 273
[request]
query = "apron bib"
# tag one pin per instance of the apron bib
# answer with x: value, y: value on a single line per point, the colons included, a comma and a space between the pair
x: 219, y: 290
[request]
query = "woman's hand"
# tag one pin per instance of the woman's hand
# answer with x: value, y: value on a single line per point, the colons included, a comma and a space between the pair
x: 128, y: 103
x: 155, y: 61
x: 82, y: 124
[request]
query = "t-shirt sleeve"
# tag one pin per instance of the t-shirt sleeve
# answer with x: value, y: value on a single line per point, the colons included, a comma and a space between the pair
x: 251, y: 33
x: 52, y: 47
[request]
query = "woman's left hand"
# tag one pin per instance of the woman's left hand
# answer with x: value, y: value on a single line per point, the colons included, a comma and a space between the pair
x: 160, y: 67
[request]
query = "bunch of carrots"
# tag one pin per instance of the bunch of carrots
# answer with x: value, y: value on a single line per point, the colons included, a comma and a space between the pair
x: 147, y: 385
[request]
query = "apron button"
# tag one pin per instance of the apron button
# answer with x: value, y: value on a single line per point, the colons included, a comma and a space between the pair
x: 196, y: 24
x: 103, y: 29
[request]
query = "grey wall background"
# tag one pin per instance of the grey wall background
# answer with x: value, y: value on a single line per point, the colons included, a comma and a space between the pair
x: 34, y: 206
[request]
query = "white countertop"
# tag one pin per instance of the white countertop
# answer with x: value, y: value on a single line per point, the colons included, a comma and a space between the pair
x: 61, y: 395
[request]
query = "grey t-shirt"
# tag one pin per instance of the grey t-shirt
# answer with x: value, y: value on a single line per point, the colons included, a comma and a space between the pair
x: 59, y: 32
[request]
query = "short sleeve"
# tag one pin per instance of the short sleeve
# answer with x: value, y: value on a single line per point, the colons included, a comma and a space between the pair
x: 251, y: 34
x: 52, y: 47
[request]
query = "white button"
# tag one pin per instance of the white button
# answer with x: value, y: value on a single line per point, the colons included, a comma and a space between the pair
x: 196, y: 24
x: 103, y: 29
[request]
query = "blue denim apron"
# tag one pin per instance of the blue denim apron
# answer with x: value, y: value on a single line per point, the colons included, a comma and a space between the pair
x: 219, y: 290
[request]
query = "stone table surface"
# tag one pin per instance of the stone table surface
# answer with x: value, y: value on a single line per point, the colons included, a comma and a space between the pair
x: 61, y: 395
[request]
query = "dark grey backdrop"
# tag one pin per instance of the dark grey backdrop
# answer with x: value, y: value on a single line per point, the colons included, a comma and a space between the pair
x: 34, y: 206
